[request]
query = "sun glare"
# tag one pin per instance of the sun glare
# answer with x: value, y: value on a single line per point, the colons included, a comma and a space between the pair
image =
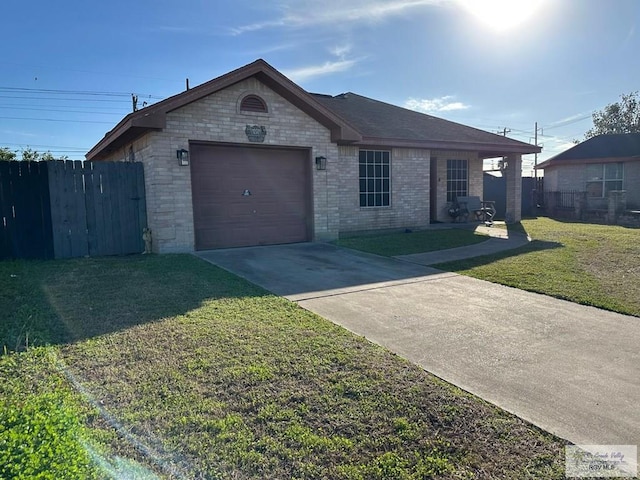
x: 502, y: 15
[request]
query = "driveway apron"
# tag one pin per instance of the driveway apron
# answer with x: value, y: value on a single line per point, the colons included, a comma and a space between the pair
x: 570, y: 369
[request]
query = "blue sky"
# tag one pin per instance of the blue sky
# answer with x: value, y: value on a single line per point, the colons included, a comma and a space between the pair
x: 68, y: 67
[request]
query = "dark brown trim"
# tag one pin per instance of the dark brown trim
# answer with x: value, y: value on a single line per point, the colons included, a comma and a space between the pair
x: 247, y: 145
x: 580, y: 161
x: 485, y: 150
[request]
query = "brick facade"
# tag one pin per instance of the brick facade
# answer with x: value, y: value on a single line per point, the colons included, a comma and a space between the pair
x: 336, y: 208
x: 563, y: 178
x: 475, y: 185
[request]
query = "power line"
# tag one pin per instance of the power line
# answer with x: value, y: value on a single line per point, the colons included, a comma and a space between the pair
x: 66, y: 99
x: 119, y: 112
x: 31, y: 145
x: 54, y: 120
x: 75, y: 92
x: 568, y: 122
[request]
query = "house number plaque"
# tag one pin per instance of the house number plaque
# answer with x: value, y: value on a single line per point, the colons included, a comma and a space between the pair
x: 256, y: 133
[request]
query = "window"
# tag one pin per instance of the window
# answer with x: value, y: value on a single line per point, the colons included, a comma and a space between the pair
x: 253, y: 103
x: 457, y: 179
x: 603, y: 178
x: 375, y: 175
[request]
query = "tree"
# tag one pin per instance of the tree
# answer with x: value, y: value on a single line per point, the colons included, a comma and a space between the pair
x: 618, y: 117
x: 6, y: 154
x: 28, y: 155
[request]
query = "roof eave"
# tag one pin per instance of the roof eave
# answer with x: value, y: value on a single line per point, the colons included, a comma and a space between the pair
x: 130, y: 128
x: 556, y: 162
x: 485, y: 150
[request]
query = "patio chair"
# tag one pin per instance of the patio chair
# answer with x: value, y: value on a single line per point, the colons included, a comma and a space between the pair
x: 482, y: 210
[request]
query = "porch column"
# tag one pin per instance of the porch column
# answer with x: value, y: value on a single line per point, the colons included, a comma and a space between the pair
x: 513, y: 174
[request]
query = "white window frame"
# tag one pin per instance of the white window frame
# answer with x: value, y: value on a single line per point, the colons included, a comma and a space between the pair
x: 601, y: 180
x: 374, y: 178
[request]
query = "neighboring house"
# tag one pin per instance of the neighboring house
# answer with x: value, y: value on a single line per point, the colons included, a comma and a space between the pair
x: 265, y: 162
x: 597, y: 166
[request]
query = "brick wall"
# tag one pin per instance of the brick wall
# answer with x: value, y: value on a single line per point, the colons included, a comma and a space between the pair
x: 632, y: 184
x: 336, y: 205
x: 409, y: 192
x: 573, y: 177
x: 216, y: 118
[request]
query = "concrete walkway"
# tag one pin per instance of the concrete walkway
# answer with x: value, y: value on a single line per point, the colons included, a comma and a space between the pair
x: 573, y: 370
x: 500, y: 241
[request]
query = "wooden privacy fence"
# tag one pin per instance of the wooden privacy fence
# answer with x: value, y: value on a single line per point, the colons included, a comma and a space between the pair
x: 64, y: 209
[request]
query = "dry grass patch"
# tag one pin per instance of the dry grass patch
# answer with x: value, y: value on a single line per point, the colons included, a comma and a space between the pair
x: 219, y: 379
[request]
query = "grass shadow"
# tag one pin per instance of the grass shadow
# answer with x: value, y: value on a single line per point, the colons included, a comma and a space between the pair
x: 513, y: 228
x: 63, y: 301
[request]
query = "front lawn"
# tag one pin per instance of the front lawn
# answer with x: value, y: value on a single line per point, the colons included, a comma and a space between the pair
x: 413, y: 242
x: 591, y: 264
x: 186, y: 371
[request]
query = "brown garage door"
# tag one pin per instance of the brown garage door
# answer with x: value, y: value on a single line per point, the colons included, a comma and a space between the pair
x: 249, y: 196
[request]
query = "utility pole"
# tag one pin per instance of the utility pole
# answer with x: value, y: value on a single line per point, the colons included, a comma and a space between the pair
x: 502, y: 162
x: 535, y: 161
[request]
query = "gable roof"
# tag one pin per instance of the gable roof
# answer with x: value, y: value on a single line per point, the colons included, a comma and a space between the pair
x: 351, y: 118
x: 381, y: 123
x: 153, y: 117
x: 601, y: 148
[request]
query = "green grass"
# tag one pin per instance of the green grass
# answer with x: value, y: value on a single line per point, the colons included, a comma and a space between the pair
x: 415, y: 242
x: 590, y: 264
x: 186, y: 368
x: 41, y: 429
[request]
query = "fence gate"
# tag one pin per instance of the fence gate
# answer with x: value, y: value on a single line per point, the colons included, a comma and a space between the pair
x: 63, y: 209
x: 25, y: 221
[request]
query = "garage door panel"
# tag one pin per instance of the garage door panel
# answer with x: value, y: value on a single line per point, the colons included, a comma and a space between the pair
x: 276, y: 211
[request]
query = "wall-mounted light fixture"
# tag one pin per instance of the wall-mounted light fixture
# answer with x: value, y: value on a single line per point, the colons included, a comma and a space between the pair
x: 321, y: 163
x: 183, y: 157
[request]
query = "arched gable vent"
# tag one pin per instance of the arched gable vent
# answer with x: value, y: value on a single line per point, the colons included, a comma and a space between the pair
x: 253, y: 103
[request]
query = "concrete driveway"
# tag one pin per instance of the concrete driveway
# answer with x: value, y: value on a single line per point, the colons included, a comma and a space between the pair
x: 570, y: 369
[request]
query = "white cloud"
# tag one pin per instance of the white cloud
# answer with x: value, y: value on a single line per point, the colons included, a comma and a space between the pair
x: 341, y: 51
x: 306, y: 73
x: 432, y: 105
x: 303, y: 13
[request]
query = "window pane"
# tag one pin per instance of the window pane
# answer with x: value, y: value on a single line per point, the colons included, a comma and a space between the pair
x: 611, y: 186
x: 370, y: 156
x: 613, y: 171
x: 374, y: 172
x: 594, y: 189
x: 457, y: 172
x: 594, y: 172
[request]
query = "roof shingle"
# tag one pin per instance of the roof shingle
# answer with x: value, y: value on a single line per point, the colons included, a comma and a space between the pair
x: 376, y: 119
x: 622, y: 145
